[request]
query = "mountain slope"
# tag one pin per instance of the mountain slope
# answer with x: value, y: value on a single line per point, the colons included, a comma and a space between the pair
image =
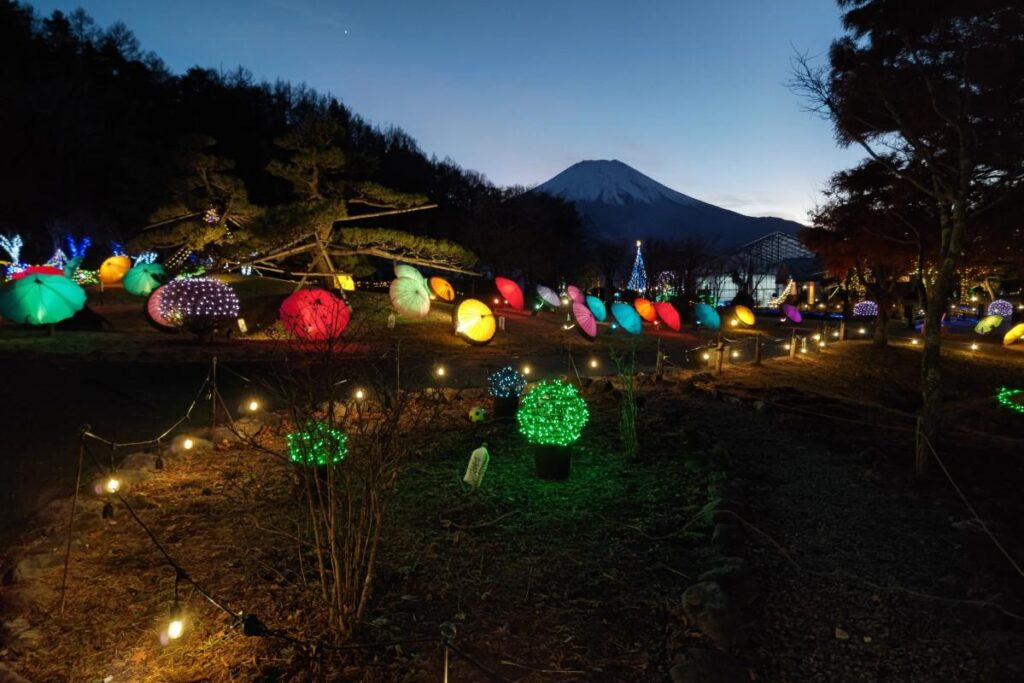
x: 617, y: 202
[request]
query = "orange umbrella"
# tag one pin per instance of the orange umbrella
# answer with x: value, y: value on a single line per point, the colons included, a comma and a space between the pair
x: 510, y: 291
x: 114, y: 268
x: 442, y: 289
x: 646, y: 309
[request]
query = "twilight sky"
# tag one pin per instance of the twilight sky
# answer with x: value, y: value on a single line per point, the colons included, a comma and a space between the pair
x: 689, y: 92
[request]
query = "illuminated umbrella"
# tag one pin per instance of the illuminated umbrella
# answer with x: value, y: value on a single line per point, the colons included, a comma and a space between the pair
x: 574, y: 293
x: 71, y: 265
x: 114, y: 268
x: 668, y: 314
x: 707, y: 316
x: 409, y: 297
x: 548, y: 296
x: 41, y: 299
x: 627, y: 317
x: 510, y: 292
x: 585, y: 320
x: 792, y: 312
x: 1015, y: 333
x: 153, y: 305
x: 402, y: 270
x: 744, y: 314
x: 143, y: 279
x: 988, y: 323
x: 646, y: 309
x: 442, y: 289
x: 314, y: 314
x: 474, y: 321
x: 597, y: 307
x: 37, y: 270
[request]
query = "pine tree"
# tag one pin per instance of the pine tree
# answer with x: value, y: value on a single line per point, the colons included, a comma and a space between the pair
x: 638, y: 278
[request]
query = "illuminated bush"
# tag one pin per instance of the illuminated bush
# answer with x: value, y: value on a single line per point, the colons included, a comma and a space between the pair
x: 552, y: 413
x: 865, y: 309
x: 197, y: 304
x: 1001, y: 307
x: 317, y: 444
x: 506, y: 383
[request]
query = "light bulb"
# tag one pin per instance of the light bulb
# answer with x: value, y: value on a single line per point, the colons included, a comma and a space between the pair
x: 862, y: 330
x: 360, y: 394
x: 974, y: 347
x: 440, y: 371
x: 835, y: 334
x: 706, y: 356
x: 735, y: 354
x: 821, y: 343
x: 496, y: 302
x: 786, y: 347
x: 254, y: 406
x: 187, y: 444
x: 175, y: 628
x: 734, y: 322
x: 914, y: 342
x: 113, y: 485
x: 803, y: 349
x: 527, y: 369
x: 817, y: 337
x: 593, y: 362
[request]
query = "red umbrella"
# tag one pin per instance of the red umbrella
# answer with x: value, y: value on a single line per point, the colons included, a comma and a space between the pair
x: 575, y: 294
x: 37, y: 270
x: 153, y: 307
x: 314, y: 314
x: 584, y: 319
x: 510, y: 291
x: 668, y: 314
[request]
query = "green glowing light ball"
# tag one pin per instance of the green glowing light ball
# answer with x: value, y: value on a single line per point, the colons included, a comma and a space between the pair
x: 477, y: 414
x: 317, y: 444
x: 552, y: 413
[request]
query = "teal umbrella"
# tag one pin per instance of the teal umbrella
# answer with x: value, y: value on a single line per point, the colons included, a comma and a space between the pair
x: 142, y: 279
x: 41, y: 299
x: 707, y: 316
x: 627, y: 317
x: 597, y: 307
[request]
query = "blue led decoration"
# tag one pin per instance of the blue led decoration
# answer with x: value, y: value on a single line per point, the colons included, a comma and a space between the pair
x: 506, y: 383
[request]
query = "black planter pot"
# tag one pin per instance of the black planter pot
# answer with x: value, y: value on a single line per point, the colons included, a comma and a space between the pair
x: 505, y: 408
x: 552, y: 462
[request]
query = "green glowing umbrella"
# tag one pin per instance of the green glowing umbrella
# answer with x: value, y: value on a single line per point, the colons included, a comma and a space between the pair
x: 142, y: 279
x: 409, y: 297
x: 41, y: 299
x: 988, y: 323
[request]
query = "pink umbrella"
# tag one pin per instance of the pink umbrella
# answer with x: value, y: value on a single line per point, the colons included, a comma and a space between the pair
x: 668, y: 314
x: 510, y: 291
x: 584, y: 319
x: 153, y: 307
x: 791, y: 312
x: 575, y: 294
x: 314, y: 314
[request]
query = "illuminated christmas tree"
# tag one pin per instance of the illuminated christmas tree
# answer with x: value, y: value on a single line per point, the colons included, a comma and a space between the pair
x: 638, y: 278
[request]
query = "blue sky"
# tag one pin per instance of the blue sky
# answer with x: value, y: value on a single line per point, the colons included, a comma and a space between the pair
x: 690, y: 92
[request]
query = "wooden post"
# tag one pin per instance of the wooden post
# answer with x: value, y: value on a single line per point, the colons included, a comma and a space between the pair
x: 758, y: 348
x: 720, y: 359
x: 920, y: 457
x: 659, y: 364
x: 842, y: 330
x: 792, y: 345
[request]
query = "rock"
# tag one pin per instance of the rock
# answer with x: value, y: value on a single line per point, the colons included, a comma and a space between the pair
x: 708, y: 666
x: 9, y: 675
x: 21, y: 630
x: 710, y: 610
x: 26, y: 597
x: 138, y: 461
x: 340, y: 410
x: 841, y: 634
x: 728, y: 540
x: 30, y: 566
x: 474, y: 393
x: 736, y: 579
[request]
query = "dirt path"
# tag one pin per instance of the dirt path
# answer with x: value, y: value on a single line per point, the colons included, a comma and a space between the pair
x: 838, y: 515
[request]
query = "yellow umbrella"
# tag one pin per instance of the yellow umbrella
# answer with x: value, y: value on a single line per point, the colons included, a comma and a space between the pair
x: 744, y: 315
x: 988, y: 323
x: 114, y: 268
x: 1015, y: 333
x: 474, y: 321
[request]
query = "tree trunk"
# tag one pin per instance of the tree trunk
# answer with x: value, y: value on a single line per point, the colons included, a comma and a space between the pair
x: 882, y: 324
x: 931, y: 376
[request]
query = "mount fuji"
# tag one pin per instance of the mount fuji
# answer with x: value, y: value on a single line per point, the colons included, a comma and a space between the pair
x: 618, y: 202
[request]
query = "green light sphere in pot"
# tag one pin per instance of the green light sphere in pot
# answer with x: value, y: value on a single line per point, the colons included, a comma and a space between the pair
x: 552, y: 413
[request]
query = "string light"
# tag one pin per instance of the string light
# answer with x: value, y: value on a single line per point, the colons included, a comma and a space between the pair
x: 1006, y: 398
x: 317, y: 444
x: 552, y: 413
x: 506, y: 383
x: 197, y: 302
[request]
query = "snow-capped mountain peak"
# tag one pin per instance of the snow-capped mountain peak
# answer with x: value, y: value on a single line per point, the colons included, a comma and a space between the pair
x: 610, y: 182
